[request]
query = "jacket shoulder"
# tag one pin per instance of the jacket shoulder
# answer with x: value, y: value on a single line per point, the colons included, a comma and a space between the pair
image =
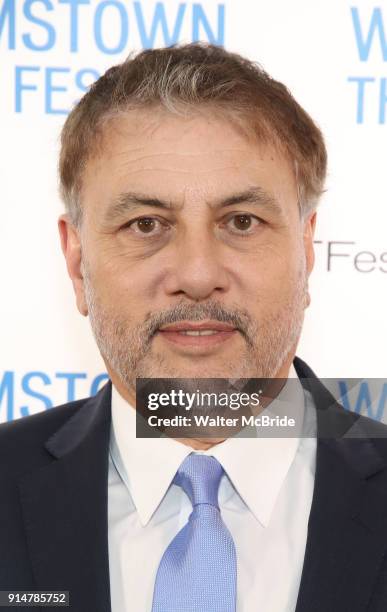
x: 22, y: 440
x: 376, y: 431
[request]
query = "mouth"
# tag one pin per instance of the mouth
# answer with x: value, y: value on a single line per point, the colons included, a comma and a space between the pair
x: 197, y: 335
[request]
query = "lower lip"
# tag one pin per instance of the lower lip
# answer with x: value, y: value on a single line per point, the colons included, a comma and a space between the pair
x: 184, y: 340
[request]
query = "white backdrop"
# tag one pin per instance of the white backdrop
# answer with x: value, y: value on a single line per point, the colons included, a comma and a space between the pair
x: 332, y: 55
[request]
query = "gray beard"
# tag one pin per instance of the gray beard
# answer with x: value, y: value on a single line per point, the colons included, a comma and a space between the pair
x: 129, y: 351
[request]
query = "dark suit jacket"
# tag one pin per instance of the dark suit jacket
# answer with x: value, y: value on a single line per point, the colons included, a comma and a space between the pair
x: 53, y: 507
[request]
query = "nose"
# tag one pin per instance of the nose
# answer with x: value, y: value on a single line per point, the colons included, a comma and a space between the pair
x: 198, y: 269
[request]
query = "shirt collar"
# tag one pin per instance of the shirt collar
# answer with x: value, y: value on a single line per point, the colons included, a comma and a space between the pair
x: 146, y: 465
x: 256, y: 467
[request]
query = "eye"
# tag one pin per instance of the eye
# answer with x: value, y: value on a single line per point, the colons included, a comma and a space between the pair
x: 243, y: 223
x: 239, y: 224
x: 145, y: 225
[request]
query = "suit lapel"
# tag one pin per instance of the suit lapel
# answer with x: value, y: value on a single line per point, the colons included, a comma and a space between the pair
x: 65, y: 509
x: 347, y: 529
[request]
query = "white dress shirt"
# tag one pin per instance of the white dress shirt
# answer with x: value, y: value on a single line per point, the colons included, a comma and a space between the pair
x: 264, y: 497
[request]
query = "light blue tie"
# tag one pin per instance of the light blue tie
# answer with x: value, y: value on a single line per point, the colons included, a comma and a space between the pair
x: 198, y: 571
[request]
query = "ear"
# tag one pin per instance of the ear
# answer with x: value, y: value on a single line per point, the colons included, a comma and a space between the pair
x: 71, y: 247
x: 309, y: 229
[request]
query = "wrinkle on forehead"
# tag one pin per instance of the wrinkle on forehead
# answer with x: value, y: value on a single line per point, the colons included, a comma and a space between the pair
x: 121, y: 155
x: 130, y: 124
x: 150, y: 122
x: 166, y: 152
x: 120, y: 134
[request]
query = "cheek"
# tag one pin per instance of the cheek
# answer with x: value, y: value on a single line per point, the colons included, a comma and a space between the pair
x: 272, y: 262
x: 123, y: 287
x: 272, y: 276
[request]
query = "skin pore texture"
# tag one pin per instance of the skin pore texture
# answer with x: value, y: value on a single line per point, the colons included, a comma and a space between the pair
x: 186, y: 219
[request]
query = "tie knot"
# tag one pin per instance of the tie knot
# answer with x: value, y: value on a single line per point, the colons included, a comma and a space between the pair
x: 199, y: 476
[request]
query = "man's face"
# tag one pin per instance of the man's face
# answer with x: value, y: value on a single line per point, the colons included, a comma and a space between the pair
x: 187, y: 221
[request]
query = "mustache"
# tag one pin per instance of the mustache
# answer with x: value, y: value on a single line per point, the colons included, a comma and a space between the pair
x: 215, y: 311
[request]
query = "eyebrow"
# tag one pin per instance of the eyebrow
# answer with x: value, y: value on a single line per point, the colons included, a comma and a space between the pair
x: 130, y: 201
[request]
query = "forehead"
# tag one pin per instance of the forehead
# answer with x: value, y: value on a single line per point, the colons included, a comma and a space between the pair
x: 181, y: 158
